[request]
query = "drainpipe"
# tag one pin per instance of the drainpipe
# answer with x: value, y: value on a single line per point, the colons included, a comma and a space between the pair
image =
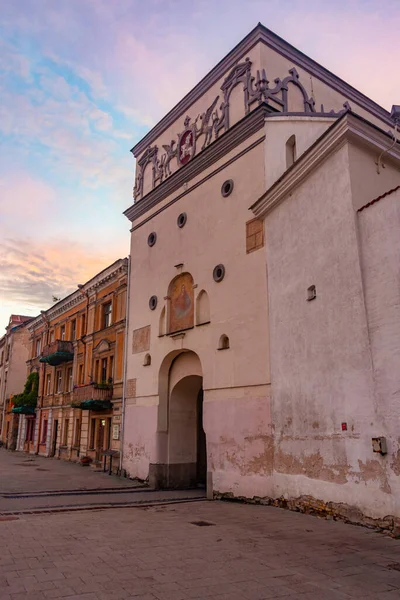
x: 121, y: 443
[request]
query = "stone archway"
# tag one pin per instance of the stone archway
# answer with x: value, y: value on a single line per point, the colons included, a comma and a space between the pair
x: 181, y: 459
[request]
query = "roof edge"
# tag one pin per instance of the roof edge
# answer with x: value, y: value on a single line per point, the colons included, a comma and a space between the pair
x: 260, y: 33
x: 350, y: 126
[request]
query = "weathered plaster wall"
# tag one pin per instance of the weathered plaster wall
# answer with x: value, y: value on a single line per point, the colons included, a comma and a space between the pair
x: 17, y: 369
x: 379, y: 227
x: 321, y: 368
x: 215, y: 233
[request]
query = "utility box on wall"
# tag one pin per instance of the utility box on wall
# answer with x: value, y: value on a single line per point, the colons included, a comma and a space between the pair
x: 379, y: 445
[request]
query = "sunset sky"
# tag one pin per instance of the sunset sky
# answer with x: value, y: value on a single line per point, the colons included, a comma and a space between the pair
x: 82, y: 80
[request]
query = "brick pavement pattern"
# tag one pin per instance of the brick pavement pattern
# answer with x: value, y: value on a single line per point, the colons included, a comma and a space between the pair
x: 249, y: 553
x: 20, y: 472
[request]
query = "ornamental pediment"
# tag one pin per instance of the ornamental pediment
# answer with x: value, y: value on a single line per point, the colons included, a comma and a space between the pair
x: 102, y: 346
x: 243, y: 89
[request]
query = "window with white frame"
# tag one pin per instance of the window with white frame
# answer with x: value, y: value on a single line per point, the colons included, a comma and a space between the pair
x: 69, y: 380
x: 48, y: 384
x: 59, y: 382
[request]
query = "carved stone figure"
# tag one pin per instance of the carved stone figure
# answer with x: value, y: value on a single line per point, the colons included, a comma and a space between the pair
x: 215, y: 120
x: 170, y: 154
x: 206, y: 127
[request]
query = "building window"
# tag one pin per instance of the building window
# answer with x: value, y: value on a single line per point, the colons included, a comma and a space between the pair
x: 111, y: 372
x: 92, y: 433
x: 48, y: 384
x: 104, y: 369
x: 73, y: 329
x: 30, y: 429
x: 37, y: 347
x: 51, y: 336
x: 59, y: 382
x: 83, y: 325
x: 8, y: 352
x: 69, y: 380
x: 77, y: 437
x: 66, y: 429
x: 2, y: 357
x: 80, y: 374
x: 107, y: 308
x: 62, y: 332
x: 44, y: 431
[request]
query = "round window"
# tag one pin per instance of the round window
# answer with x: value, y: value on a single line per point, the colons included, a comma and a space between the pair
x: 219, y: 273
x: 227, y: 188
x: 153, y: 303
x: 181, y: 221
x: 151, y: 240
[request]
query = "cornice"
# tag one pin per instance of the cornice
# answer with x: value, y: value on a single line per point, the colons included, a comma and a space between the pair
x: 349, y: 128
x: 78, y: 296
x: 237, y: 134
x: 273, y: 41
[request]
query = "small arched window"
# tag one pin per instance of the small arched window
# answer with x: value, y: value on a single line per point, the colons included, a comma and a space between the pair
x: 223, y: 342
x: 290, y: 151
x: 147, y: 360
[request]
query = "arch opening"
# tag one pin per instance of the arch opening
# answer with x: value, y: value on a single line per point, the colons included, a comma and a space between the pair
x: 181, y: 451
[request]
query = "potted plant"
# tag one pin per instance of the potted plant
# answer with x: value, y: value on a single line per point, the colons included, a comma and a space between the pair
x: 85, y: 461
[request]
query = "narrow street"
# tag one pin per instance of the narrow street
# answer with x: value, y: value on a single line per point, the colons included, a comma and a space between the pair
x: 173, y: 551
x: 32, y: 483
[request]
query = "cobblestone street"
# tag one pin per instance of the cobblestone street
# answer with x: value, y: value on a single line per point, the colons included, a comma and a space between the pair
x: 197, y: 550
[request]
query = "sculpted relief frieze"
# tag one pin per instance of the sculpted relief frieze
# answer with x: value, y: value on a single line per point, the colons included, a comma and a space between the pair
x: 215, y: 120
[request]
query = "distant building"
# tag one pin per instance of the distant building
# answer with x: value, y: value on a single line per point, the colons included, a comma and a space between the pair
x: 263, y: 353
x: 14, y: 352
x: 77, y: 347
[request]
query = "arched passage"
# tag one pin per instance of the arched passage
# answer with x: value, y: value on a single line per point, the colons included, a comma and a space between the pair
x: 181, y: 443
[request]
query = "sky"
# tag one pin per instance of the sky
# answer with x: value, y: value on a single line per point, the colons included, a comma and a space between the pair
x: 81, y: 81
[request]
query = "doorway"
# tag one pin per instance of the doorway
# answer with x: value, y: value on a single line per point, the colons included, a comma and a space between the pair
x: 54, y: 440
x: 187, y: 457
x: 103, y: 436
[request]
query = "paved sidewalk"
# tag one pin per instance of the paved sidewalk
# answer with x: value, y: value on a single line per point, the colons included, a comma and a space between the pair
x: 36, y: 484
x: 248, y: 553
x: 21, y: 472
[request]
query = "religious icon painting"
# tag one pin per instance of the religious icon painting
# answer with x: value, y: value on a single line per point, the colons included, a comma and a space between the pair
x: 181, y: 296
x: 186, y: 144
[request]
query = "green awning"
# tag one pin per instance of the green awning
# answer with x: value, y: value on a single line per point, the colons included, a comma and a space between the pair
x: 96, y: 405
x: 23, y: 410
x: 57, y: 358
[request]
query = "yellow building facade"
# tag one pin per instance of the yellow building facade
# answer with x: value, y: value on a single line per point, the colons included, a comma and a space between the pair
x: 77, y: 347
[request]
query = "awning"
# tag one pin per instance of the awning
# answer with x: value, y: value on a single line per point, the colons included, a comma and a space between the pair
x: 23, y: 410
x: 96, y: 405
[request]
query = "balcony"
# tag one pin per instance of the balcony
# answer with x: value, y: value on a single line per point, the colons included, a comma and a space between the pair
x: 93, y: 396
x: 57, y: 352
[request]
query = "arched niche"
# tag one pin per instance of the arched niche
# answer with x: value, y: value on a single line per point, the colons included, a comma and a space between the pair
x: 181, y: 303
x: 223, y: 343
x: 290, y: 151
x: 162, y: 329
x: 202, y: 308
